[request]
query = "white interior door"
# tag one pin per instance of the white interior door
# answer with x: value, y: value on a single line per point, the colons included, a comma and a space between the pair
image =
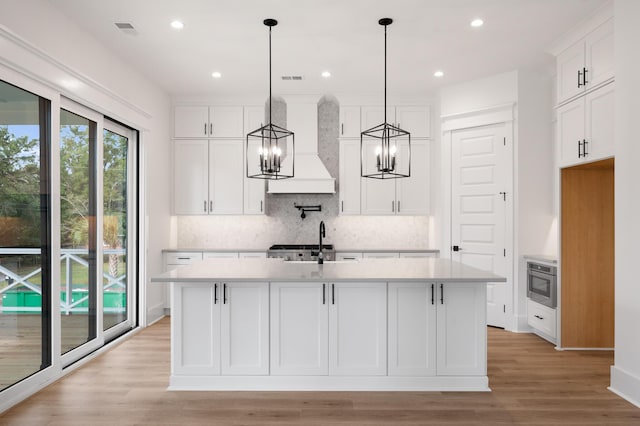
x: 478, y: 206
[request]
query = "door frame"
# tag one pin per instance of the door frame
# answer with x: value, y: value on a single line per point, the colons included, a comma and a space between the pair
x: 498, y: 114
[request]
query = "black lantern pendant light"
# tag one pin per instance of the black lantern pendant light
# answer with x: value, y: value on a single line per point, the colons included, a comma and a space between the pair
x: 270, y: 141
x: 384, y: 140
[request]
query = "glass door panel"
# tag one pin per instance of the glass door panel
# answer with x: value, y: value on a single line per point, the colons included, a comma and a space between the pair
x: 25, y: 252
x: 78, y: 230
x: 119, y: 291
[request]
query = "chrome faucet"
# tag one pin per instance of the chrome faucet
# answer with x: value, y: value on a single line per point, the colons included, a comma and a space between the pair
x: 322, y: 234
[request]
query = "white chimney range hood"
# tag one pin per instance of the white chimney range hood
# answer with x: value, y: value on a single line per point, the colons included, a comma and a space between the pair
x: 310, y: 174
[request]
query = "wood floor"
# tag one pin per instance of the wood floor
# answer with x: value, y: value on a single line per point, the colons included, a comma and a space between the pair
x: 533, y: 384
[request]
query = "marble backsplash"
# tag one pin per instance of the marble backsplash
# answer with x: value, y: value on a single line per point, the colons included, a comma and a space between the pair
x: 345, y: 232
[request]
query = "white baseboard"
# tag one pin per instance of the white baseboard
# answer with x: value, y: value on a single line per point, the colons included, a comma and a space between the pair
x: 625, y: 384
x: 154, y: 313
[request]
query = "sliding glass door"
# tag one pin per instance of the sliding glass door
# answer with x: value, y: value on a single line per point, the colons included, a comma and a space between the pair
x: 119, y: 228
x: 25, y: 218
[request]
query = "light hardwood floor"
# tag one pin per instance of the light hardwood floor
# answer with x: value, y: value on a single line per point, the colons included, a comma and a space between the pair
x: 533, y: 384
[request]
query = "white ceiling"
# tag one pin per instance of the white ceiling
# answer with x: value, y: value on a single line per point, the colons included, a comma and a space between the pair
x: 342, y: 36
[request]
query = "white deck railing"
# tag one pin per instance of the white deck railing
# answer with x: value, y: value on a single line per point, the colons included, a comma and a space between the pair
x: 67, y: 304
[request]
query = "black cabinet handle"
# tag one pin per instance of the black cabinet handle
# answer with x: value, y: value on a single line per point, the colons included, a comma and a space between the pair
x: 584, y: 76
x: 441, y: 294
x: 579, y: 149
x: 215, y: 294
x: 342, y: 132
x: 432, y: 294
x: 211, y: 206
x: 205, y: 129
x: 260, y: 206
x: 333, y: 294
x: 224, y: 293
x: 584, y: 147
x: 211, y: 129
x: 323, y: 293
x: 342, y: 206
x: 205, y: 206
x: 539, y: 317
x: 184, y: 258
x: 579, y: 79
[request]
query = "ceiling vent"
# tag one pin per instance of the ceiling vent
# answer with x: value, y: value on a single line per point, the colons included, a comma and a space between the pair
x: 126, y: 27
x: 292, y: 77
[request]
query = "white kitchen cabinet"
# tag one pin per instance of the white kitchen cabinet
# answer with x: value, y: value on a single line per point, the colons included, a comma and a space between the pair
x: 208, y: 177
x: 299, y: 329
x: 461, y: 329
x: 349, y: 122
x: 175, y: 259
x: 358, y: 329
x: 542, y: 319
x: 253, y: 118
x: 414, y: 119
x: 402, y: 196
x: 349, y: 179
x: 418, y: 254
x: 244, y: 339
x: 412, y: 329
x: 586, y: 127
x: 348, y: 256
x: 208, y: 121
x: 586, y: 64
x: 254, y: 189
x: 252, y: 254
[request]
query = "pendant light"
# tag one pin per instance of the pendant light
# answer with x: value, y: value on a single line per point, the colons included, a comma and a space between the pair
x: 269, y: 141
x: 379, y: 145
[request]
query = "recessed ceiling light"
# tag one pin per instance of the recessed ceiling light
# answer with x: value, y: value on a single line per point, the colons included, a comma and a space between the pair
x: 216, y: 74
x: 326, y: 74
x: 177, y: 25
x: 477, y: 23
x: 438, y: 74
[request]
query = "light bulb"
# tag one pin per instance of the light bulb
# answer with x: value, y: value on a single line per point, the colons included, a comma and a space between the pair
x: 393, y: 150
x: 378, y: 150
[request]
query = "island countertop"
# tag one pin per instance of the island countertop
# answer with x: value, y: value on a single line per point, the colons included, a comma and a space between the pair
x: 403, y: 269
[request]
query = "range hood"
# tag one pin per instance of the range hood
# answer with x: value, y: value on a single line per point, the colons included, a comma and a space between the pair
x: 310, y: 175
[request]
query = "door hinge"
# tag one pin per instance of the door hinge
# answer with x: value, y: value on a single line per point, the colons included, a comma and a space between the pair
x: 504, y: 195
x: 504, y: 252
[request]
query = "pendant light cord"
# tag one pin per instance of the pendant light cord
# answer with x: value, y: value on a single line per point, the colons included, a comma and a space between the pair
x: 270, y: 116
x: 385, y: 74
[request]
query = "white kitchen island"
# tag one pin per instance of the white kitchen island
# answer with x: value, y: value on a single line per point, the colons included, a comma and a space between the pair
x: 375, y: 324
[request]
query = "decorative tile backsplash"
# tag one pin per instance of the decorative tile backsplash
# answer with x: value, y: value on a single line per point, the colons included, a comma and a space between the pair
x: 283, y: 225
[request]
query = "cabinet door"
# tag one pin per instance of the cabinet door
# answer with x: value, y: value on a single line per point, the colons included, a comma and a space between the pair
x: 349, y: 179
x: 599, y: 132
x: 195, y: 327
x: 191, y: 122
x: 299, y: 329
x: 226, y: 178
x: 226, y: 122
x: 412, y: 329
x: 253, y: 118
x: 358, y: 329
x: 219, y: 255
x: 190, y: 176
x: 245, y: 329
x: 349, y: 122
x: 414, y: 119
x: 571, y: 132
x: 569, y: 63
x: 372, y: 116
x: 412, y: 193
x: 377, y: 196
x: 599, y: 54
x: 462, y: 329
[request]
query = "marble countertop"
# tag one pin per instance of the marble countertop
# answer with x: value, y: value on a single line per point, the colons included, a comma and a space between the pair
x: 338, y: 250
x: 426, y: 269
x: 542, y: 258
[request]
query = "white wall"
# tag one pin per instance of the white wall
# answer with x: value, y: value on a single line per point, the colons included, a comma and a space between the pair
x: 478, y: 94
x: 43, y: 44
x: 625, y: 374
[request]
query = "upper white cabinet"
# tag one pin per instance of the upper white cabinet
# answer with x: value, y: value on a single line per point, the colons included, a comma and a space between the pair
x: 208, y: 122
x: 586, y: 127
x: 414, y: 119
x: 402, y: 196
x: 208, y: 177
x: 461, y: 329
x: 349, y: 122
x: 586, y: 64
x: 349, y: 179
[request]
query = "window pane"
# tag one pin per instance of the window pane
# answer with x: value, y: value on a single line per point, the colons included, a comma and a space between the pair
x: 25, y: 317
x: 78, y: 231
x: 115, y: 282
